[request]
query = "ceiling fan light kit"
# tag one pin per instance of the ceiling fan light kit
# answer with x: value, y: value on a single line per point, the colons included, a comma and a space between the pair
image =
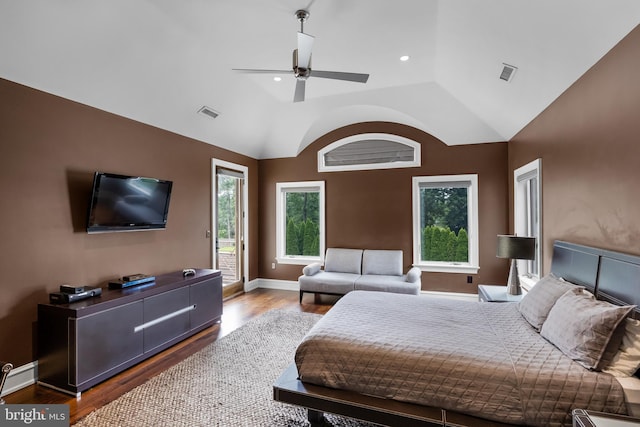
x: 302, y: 63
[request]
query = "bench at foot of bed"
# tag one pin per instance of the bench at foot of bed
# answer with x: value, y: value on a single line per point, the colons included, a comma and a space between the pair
x: 318, y: 400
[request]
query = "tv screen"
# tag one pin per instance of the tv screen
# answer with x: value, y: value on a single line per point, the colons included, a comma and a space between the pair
x: 128, y: 203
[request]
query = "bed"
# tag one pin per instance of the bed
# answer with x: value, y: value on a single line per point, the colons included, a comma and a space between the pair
x: 463, y: 363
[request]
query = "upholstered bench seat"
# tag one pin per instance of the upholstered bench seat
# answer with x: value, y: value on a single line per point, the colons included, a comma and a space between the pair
x: 395, y: 284
x: 328, y: 283
x: 346, y: 270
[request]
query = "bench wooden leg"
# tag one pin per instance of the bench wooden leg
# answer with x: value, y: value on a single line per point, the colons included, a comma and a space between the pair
x: 316, y: 418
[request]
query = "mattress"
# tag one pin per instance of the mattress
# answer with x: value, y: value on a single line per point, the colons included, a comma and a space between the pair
x: 481, y: 359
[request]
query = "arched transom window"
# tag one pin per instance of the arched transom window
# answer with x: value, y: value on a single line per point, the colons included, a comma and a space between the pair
x: 369, y: 151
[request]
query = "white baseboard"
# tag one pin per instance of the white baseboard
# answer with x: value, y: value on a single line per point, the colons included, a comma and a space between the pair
x: 252, y: 285
x: 21, y: 377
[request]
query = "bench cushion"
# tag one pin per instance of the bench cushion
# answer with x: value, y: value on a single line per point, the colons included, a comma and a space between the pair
x: 395, y: 284
x: 328, y: 282
x: 341, y: 260
x: 386, y: 262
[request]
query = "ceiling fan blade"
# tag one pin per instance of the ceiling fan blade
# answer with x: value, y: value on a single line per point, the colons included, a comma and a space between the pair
x: 299, y: 95
x: 305, y: 43
x: 338, y: 75
x: 250, y: 70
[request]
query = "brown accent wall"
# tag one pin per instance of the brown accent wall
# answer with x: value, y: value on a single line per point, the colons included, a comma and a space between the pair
x: 372, y: 209
x: 589, y: 143
x: 49, y: 150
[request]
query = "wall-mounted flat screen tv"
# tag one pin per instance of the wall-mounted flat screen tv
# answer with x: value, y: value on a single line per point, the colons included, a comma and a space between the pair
x: 128, y: 203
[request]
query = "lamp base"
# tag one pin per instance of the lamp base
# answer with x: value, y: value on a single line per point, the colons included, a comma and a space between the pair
x: 513, y: 283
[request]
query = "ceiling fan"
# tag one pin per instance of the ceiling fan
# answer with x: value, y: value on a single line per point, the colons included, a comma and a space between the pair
x: 302, y: 63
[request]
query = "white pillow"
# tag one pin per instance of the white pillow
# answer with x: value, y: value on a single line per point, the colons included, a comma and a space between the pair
x: 627, y: 361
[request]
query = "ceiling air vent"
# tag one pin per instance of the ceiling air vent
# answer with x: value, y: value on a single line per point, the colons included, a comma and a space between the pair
x: 209, y: 112
x: 507, y: 72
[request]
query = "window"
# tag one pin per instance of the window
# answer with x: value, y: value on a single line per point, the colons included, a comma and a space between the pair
x: 300, y: 222
x: 445, y: 223
x: 369, y: 151
x: 527, y: 214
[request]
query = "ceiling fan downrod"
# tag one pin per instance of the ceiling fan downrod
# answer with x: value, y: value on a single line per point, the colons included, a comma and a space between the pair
x: 302, y: 16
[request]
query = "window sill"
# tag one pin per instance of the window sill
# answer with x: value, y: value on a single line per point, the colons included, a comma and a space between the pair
x: 299, y: 260
x: 449, y: 268
x: 527, y: 282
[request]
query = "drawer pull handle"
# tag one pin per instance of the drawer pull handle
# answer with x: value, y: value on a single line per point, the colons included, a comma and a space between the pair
x: 163, y: 318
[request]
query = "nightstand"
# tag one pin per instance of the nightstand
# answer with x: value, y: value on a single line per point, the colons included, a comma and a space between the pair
x: 582, y: 418
x: 492, y: 293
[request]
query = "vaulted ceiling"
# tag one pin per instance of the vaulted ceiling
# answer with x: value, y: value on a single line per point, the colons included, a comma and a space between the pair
x: 160, y: 61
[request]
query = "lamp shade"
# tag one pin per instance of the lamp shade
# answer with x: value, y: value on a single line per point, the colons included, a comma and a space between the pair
x: 515, y: 247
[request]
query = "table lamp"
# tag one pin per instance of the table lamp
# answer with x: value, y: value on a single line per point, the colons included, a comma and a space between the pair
x: 515, y: 248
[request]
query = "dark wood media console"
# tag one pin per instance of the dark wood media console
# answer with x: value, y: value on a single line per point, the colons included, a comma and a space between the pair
x: 83, y: 343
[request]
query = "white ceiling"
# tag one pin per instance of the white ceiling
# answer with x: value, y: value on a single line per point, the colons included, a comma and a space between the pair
x: 159, y: 61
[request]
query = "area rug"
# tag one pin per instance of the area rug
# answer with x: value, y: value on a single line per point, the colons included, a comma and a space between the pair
x: 226, y: 384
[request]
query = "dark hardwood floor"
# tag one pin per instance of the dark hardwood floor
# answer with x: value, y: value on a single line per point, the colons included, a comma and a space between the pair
x: 237, y: 311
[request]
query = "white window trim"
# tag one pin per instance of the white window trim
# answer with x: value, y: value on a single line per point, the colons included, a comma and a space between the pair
x: 473, y: 265
x: 416, y: 162
x: 281, y: 189
x: 524, y: 173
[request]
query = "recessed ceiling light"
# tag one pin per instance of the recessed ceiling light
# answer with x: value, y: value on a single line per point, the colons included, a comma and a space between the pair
x: 404, y: 58
x: 277, y: 79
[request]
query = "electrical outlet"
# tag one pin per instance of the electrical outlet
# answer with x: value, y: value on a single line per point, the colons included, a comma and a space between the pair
x: 469, y: 279
x: 273, y: 265
x: 208, y: 234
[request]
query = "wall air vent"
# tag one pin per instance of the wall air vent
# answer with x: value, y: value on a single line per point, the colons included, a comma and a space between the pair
x: 507, y: 72
x: 209, y: 112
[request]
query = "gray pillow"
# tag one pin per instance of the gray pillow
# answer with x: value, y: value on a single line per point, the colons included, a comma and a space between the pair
x: 311, y: 269
x: 413, y: 275
x: 537, y: 303
x: 581, y: 326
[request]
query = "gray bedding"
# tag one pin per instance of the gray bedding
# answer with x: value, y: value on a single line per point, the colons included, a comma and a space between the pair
x: 481, y: 359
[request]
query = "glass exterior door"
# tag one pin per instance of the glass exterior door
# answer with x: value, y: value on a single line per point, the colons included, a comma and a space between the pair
x: 229, y: 228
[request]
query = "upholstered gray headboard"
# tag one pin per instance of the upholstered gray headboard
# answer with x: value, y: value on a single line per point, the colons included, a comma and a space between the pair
x: 611, y: 276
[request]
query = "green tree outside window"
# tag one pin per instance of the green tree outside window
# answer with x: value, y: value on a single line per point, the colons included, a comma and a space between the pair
x: 302, y: 223
x: 444, y: 223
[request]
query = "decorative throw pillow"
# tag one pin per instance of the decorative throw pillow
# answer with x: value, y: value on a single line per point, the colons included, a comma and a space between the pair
x: 581, y: 326
x: 536, y: 304
x: 627, y: 361
x: 413, y: 274
x: 311, y: 269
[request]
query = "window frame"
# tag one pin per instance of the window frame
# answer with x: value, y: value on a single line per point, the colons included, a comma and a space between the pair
x: 523, y: 192
x: 470, y: 181
x: 282, y: 188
